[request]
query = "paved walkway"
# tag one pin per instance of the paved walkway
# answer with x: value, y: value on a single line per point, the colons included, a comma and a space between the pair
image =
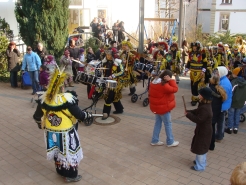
x: 118, y: 154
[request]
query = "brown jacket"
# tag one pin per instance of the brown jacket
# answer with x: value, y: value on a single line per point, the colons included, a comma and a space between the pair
x: 13, y: 58
x: 202, y: 116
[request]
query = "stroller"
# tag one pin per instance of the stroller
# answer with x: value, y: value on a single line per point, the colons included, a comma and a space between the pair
x: 145, y: 70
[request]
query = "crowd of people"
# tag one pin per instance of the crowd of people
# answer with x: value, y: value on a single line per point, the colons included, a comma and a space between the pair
x: 217, y: 77
x: 101, y: 30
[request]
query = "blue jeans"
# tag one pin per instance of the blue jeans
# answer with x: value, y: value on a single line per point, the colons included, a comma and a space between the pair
x: 233, y: 118
x: 13, y: 78
x: 220, y: 126
x: 166, y: 118
x: 201, y: 162
x: 34, y: 75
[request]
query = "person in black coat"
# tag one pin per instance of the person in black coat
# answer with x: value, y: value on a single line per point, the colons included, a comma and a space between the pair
x: 74, y: 54
x: 121, y: 29
x: 219, y: 96
x: 202, y: 116
x: 41, y: 51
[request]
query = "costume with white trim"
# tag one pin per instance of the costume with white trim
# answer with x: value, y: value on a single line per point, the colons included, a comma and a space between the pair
x: 58, y: 113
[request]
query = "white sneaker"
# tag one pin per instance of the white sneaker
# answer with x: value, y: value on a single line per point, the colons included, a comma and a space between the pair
x: 175, y: 143
x: 159, y: 143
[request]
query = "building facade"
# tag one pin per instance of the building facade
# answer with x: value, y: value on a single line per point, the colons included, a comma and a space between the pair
x: 222, y: 15
x: 82, y: 13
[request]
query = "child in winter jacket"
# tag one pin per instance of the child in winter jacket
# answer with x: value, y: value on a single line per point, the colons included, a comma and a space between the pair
x: 43, y: 77
x: 202, y: 116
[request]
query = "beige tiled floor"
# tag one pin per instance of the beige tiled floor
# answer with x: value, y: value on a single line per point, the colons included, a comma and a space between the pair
x: 118, y: 154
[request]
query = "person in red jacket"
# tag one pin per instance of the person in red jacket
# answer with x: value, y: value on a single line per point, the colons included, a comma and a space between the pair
x: 162, y: 101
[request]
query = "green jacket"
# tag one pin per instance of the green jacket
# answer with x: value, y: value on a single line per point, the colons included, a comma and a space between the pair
x: 239, y: 92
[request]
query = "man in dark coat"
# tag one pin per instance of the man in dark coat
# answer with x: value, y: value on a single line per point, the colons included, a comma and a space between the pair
x: 202, y: 116
x: 74, y: 54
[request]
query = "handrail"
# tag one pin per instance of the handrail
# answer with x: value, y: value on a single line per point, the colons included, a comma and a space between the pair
x: 127, y: 34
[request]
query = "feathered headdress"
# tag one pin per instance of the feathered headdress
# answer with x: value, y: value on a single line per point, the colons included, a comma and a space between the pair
x: 220, y: 46
x: 56, y: 80
x: 127, y: 43
x: 164, y: 45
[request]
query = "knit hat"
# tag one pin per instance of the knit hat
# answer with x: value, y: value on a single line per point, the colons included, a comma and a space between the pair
x: 50, y: 58
x: 167, y: 72
x: 81, y: 50
x: 222, y: 71
x: 206, y: 93
x: 237, y: 71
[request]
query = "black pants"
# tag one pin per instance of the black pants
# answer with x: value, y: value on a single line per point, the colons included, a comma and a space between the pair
x: 107, y: 106
x: 74, y: 73
x: 218, y: 133
x: 194, y: 88
x: 13, y: 78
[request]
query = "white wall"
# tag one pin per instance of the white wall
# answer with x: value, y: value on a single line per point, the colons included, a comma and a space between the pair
x: 236, y: 4
x: 217, y: 22
x: 204, y: 18
x: 204, y: 4
x: 234, y: 25
x: 7, y: 8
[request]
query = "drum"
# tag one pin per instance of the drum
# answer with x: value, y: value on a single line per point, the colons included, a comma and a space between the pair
x: 83, y: 77
x: 79, y: 73
x: 92, y: 80
x: 149, y: 68
x: 141, y: 66
x: 135, y: 66
x: 111, y: 84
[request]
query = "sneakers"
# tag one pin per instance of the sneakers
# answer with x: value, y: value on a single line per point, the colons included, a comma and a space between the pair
x: 235, y: 130
x: 175, y: 143
x: 159, y: 143
x: 76, y: 179
x: 228, y: 130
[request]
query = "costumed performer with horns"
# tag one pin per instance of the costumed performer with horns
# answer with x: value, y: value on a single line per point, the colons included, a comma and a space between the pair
x: 59, y: 113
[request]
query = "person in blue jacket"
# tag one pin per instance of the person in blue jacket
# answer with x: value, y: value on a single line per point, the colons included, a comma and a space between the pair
x: 225, y: 83
x: 31, y: 63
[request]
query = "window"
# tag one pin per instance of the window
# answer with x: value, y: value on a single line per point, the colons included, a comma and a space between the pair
x: 224, y: 22
x: 75, y: 2
x: 226, y: 2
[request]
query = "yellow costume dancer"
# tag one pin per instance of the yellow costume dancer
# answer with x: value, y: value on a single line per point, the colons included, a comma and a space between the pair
x: 197, y: 64
x: 176, y: 61
x: 128, y: 59
x: 220, y: 57
x: 114, y: 71
x: 59, y: 113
